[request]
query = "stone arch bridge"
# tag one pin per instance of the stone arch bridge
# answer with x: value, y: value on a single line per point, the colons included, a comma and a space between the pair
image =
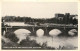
x: 33, y: 29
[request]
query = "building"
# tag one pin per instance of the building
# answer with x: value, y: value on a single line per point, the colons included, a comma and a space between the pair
x: 59, y: 17
x: 66, y: 18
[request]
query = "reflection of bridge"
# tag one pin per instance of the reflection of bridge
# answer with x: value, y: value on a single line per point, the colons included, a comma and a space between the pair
x: 46, y: 29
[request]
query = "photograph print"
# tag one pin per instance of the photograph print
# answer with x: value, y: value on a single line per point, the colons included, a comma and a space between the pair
x: 39, y: 25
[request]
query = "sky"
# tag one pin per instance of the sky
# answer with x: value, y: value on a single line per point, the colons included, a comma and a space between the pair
x: 38, y: 9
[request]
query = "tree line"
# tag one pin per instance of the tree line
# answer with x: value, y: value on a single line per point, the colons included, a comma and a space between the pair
x: 58, y: 20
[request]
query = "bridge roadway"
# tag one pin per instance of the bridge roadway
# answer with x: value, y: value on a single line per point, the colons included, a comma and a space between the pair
x: 33, y: 29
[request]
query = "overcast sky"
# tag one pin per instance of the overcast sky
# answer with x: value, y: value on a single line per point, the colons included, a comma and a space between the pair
x: 38, y: 9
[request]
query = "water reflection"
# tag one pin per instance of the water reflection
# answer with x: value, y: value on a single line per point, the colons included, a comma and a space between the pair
x: 57, y: 41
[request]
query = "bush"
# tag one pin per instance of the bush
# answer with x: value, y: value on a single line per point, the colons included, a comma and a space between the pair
x: 29, y: 43
x: 11, y: 36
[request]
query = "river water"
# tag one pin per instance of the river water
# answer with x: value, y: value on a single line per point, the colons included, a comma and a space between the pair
x: 17, y: 24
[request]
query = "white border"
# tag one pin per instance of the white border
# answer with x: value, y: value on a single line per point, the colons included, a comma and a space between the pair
x: 45, y: 1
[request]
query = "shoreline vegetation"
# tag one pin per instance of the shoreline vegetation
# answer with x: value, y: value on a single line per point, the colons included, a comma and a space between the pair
x: 58, y: 19
x: 10, y: 40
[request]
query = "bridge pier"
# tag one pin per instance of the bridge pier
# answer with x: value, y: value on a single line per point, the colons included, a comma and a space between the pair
x: 46, y: 32
x: 2, y: 30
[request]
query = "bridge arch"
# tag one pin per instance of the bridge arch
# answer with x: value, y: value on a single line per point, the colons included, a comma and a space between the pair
x: 13, y: 29
x: 44, y: 29
x: 73, y: 32
x: 53, y: 28
x: 23, y: 31
x: 40, y: 32
x: 54, y: 32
